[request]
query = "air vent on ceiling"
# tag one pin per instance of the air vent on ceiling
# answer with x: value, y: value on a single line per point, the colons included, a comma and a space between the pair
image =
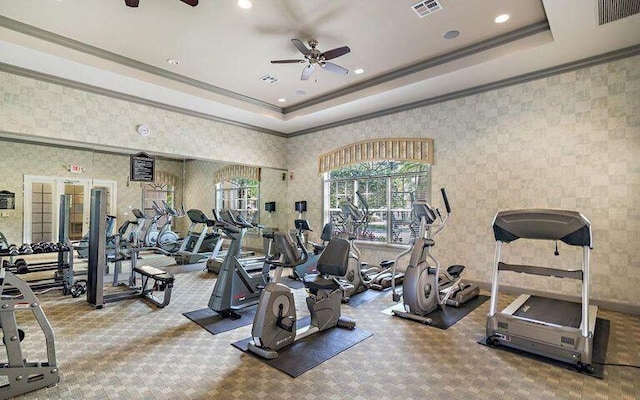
x: 269, y: 79
x: 613, y: 10
x: 426, y: 7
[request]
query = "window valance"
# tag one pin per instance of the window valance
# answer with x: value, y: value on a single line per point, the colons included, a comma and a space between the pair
x: 400, y: 149
x: 236, y: 171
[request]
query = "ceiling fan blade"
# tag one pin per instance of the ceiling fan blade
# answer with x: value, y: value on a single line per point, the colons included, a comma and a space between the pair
x: 288, y: 61
x: 334, y: 68
x: 300, y: 46
x: 307, y: 71
x: 337, y: 52
x: 192, y: 3
x: 132, y: 3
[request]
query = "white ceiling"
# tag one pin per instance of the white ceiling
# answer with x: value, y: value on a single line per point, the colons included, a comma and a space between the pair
x: 224, y: 51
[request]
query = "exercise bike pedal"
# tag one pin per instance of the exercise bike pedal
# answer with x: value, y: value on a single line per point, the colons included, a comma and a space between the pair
x: 287, y: 323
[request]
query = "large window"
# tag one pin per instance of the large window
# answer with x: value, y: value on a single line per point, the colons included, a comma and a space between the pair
x: 372, y: 200
x: 240, y: 195
x: 157, y: 192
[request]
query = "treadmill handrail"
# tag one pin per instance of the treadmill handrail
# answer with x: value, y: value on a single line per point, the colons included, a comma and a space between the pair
x: 543, y: 271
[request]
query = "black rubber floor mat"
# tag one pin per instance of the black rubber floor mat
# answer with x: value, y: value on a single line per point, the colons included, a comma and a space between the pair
x: 449, y: 315
x: 311, y: 351
x: 598, y: 359
x: 365, y: 297
x: 216, y: 323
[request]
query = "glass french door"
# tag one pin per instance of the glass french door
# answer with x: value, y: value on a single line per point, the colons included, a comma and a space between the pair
x: 42, y: 204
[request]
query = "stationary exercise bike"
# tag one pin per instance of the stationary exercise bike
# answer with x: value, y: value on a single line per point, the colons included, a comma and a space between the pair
x: 425, y: 287
x: 274, y: 325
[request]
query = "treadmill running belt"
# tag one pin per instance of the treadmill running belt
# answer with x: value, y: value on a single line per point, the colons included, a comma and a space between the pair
x: 558, y: 312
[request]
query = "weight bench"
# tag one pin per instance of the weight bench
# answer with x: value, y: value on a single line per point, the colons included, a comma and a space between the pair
x: 162, y: 282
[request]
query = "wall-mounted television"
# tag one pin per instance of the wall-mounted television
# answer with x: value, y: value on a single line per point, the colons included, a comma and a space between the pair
x: 301, y: 206
x: 270, y: 206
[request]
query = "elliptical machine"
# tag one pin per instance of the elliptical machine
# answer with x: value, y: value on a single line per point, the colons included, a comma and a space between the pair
x: 425, y: 288
x: 168, y: 241
x: 274, y: 325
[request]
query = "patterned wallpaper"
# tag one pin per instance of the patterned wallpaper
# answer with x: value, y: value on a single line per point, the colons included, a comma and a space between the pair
x: 21, y: 159
x: 570, y: 141
x: 30, y: 107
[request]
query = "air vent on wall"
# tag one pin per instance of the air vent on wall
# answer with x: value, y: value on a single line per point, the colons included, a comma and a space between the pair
x: 426, y: 7
x: 269, y: 79
x: 613, y: 10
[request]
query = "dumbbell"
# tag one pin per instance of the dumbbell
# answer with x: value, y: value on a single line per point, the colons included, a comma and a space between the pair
x: 13, y: 250
x: 26, y: 249
x: 21, y: 337
x: 21, y: 266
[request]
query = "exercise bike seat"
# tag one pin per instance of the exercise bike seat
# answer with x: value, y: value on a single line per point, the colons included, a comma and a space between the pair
x: 332, y: 263
x: 455, y: 270
x: 315, y: 282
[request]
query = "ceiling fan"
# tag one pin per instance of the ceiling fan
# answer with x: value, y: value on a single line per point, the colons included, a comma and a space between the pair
x: 313, y: 57
x: 135, y: 3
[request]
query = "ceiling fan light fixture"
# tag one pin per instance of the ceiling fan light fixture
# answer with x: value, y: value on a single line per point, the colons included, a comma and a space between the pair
x: 502, y: 18
x: 245, y: 4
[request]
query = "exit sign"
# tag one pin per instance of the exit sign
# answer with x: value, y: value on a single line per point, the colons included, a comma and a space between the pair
x: 76, y: 169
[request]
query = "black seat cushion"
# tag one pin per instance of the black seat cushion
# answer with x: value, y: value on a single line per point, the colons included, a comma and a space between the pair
x: 318, y: 282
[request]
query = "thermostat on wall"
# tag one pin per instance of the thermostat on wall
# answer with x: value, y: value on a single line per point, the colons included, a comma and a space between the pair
x: 143, y: 130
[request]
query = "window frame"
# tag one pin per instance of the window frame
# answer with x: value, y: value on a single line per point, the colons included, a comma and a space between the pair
x: 245, y: 186
x: 389, y: 209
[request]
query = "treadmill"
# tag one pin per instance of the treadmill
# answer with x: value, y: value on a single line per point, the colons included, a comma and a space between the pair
x: 247, y: 259
x: 558, y: 329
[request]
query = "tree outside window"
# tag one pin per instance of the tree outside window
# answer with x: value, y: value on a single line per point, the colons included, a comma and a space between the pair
x: 382, y: 193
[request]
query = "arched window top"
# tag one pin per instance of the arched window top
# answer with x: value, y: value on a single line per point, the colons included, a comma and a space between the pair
x: 163, y: 178
x: 399, y: 149
x: 230, y: 172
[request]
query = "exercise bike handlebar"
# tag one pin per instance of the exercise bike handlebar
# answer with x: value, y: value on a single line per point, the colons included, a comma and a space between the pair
x: 446, y: 200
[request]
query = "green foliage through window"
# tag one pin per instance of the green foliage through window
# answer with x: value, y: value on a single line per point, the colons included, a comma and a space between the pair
x: 240, y: 195
x: 382, y: 192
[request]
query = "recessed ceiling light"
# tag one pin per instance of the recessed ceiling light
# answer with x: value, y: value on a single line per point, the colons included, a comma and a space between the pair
x: 173, y: 61
x: 501, y: 18
x: 282, y: 100
x: 300, y: 92
x: 358, y: 71
x: 244, y: 4
x: 451, y: 34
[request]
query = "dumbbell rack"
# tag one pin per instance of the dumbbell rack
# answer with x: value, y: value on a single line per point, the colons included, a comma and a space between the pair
x: 62, y: 268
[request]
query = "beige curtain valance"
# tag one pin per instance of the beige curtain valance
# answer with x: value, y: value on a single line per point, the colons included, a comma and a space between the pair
x: 404, y: 149
x: 236, y: 171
